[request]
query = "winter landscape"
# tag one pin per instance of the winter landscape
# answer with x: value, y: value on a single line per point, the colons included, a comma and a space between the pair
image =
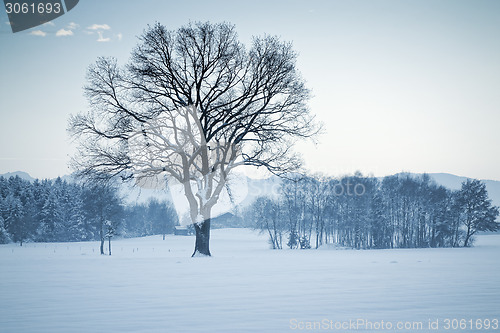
x: 264, y: 166
x: 151, y: 285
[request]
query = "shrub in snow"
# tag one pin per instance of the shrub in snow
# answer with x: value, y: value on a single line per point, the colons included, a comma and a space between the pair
x: 293, y: 240
x: 304, y: 243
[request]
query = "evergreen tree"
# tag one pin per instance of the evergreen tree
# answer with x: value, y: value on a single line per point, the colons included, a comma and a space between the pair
x: 4, y: 188
x: 15, y: 222
x: 50, y: 220
x: 4, y: 235
x: 79, y: 228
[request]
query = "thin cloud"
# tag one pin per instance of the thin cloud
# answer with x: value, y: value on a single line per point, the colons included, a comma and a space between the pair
x: 49, y: 23
x: 64, y: 32
x: 73, y: 26
x: 99, y: 27
x: 119, y: 36
x: 101, y: 38
x: 38, y: 33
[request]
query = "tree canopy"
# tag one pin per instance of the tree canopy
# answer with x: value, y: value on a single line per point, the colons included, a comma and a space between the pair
x: 194, y: 103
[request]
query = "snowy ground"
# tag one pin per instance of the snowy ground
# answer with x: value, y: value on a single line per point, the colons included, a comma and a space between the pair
x: 151, y: 285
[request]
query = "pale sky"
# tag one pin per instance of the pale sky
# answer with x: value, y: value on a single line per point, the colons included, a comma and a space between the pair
x: 400, y: 85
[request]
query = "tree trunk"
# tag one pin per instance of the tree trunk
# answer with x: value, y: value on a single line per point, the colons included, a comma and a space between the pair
x: 202, y: 238
x: 101, y: 234
x: 109, y: 245
x: 467, y: 237
x: 163, y: 236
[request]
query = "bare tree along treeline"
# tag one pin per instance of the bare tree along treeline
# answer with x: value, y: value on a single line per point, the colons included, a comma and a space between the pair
x: 400, y: 211
x: 60, y: 211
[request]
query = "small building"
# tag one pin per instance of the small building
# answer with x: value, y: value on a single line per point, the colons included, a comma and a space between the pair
x: 182, y: 231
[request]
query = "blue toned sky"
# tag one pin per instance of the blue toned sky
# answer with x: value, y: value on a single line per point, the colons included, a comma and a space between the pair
x: 400, y: 85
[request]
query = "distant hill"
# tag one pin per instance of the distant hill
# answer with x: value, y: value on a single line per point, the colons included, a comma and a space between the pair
x: 21, y: 174
x: 136, y: 195
x: 455, y: 183
x: 269, y: 186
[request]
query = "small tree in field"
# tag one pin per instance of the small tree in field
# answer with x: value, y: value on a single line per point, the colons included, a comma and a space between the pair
x: 104, y: 210
x: 110, y: 232
x: 193, y: 104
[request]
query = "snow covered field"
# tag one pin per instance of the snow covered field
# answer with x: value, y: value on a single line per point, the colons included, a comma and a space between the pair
x: 151, y: 285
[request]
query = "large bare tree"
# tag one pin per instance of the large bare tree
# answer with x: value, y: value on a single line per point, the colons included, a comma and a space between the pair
x: 193, y: 104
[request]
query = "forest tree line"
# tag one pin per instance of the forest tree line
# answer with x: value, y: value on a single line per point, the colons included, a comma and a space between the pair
x: 400, y: 211
x: 60, y: 211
